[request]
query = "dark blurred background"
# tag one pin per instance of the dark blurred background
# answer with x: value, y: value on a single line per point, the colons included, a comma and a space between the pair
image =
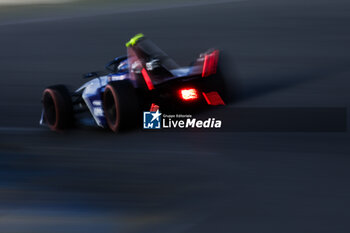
x: 283, y: 54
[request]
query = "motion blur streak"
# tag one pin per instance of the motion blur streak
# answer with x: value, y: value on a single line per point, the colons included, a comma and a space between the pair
x: 29, y: 2
x: 95, y: 11
x: 282, y: 54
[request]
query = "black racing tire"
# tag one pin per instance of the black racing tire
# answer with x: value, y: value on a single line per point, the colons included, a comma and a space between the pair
x: 120, y: 105
x: 58, y: 107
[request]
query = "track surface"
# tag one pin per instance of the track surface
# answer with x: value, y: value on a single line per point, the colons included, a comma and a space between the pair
x: 286, y: 54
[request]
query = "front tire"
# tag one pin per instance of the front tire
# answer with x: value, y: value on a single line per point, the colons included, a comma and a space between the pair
x: 58, y: 107
x: 121, y: 105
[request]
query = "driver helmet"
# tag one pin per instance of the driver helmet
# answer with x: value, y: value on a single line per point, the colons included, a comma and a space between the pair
x: 123, y: 66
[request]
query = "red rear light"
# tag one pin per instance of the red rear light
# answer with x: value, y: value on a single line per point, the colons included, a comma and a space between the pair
x: 210, y: 63
x: 213, y: 98
x: 147, y: 79
x: 188, y: 94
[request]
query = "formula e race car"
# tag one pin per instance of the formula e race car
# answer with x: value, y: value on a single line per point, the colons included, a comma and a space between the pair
x: 145, y: 80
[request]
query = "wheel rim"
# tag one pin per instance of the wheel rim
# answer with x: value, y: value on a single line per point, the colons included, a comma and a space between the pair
x: 110, y: 108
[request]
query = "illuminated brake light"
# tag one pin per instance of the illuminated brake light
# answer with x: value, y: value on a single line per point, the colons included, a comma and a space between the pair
x: 189, y: 94
x: 210, y: 63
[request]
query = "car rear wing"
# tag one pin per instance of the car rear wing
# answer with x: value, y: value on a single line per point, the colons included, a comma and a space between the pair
x: 148, y: 61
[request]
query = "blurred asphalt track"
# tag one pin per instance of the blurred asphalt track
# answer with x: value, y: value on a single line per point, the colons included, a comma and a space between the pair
x: 285, y: 54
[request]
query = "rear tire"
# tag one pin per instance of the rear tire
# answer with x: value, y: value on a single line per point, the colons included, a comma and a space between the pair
x: 120, y: 105
x: 58, y: 107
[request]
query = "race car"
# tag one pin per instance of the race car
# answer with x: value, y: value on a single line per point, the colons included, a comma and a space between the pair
x: 147, y: 79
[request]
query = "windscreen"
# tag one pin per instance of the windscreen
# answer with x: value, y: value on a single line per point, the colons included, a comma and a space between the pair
x: 148, y: 51
x: 149, y: 60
